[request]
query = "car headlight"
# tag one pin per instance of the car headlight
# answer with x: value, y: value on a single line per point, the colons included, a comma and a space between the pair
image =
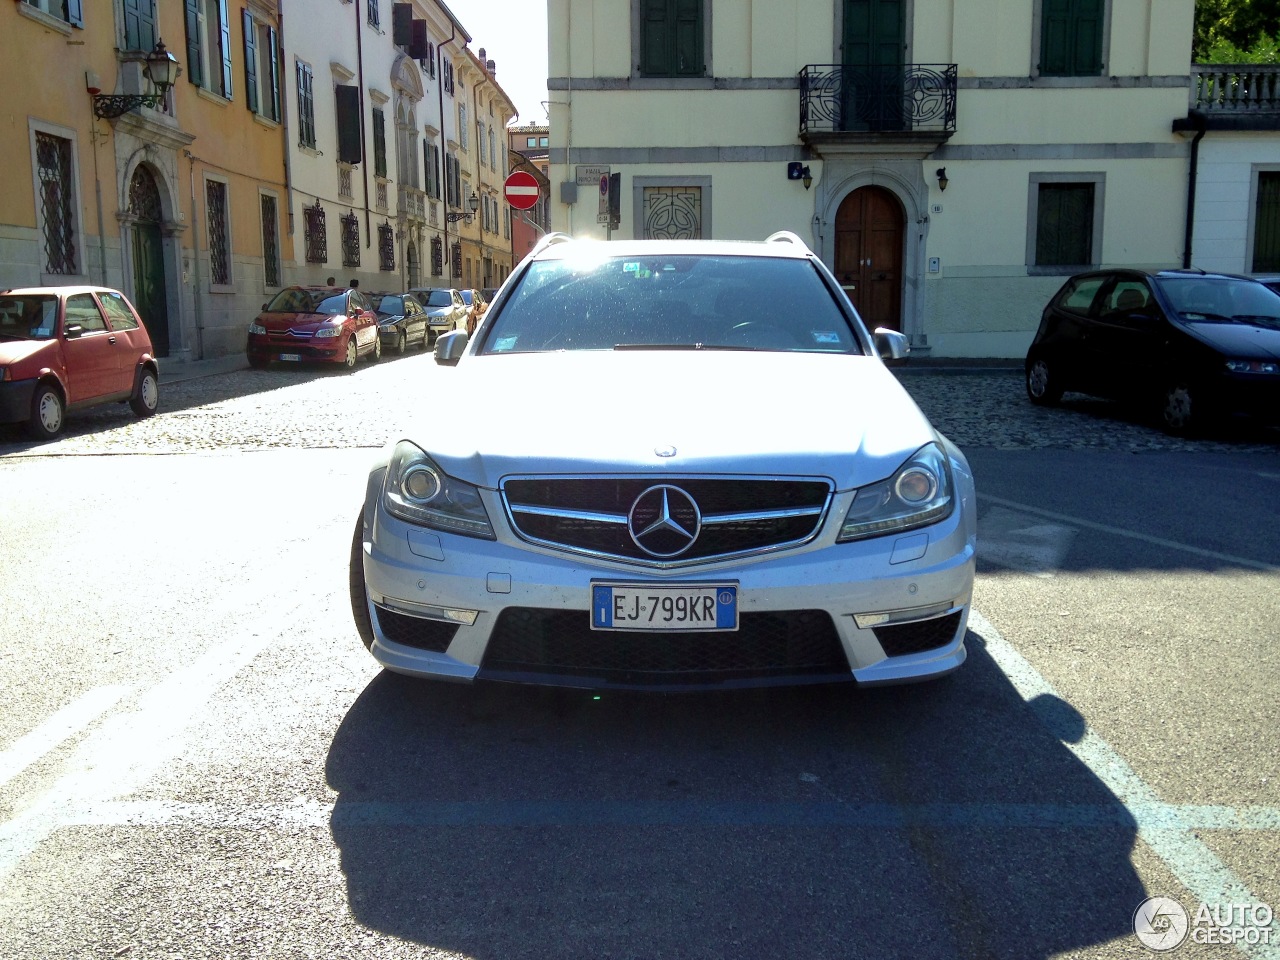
x: 919, y: 492
x: 419, y: 492
x: 1253, y: 366
x: 329, y: 331
x: 258, y: 328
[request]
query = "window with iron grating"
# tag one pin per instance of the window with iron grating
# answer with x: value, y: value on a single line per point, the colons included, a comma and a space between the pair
x: 350, y: 240
x: 317, y: 238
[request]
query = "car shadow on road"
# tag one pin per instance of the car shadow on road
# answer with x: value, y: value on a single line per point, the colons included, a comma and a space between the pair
x: 942, y: 820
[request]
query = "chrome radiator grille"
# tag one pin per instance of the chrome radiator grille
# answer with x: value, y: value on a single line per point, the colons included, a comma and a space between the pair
x: 668, y: 521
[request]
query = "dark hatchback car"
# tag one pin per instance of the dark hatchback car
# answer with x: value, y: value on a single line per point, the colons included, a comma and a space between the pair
x: 402, y: 321
x: 1190, y: 346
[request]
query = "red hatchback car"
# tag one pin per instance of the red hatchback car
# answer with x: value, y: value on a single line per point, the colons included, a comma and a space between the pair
x: 315, y: 325
x: 64, y: 348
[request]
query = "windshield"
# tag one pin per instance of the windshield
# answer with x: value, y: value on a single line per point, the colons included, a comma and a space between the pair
x: 296, y: 300
x: 688, y: 302
x: 33, y: 317
x: 439, y: 298
x: 390, y: 305
x: 1222, y: 298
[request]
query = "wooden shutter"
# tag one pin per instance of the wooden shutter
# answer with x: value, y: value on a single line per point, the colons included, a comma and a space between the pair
x: 1064, y: 224
x: 379, y: 144
x: 224, y: 46
x: 139, y: 24
x: 75, y: 14
x: 656, y: 51
x: 195, y: 63
x: 274, y: 61
x: 1266, y: 224
x: 1071, y: 38
x: 250, y: 63
x: 687, y: 38
x: 350, y: 147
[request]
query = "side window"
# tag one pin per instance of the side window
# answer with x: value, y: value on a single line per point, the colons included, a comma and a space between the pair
x: 1126, y: 298
x: 83, y: 311
x: 118, y: 312
x: 1078, y: 295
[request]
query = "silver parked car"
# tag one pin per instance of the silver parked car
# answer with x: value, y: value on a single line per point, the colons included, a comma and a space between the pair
x: 669, y: 476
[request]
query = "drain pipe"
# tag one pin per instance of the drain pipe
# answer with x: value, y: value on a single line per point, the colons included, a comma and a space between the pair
x: 364, y: 165
x: 1201, y: 127
x: 446, y: 259
x: 195, y: 261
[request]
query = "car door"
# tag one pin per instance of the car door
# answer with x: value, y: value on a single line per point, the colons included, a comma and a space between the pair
x: 364, y: 318
x: 92, y: 351
x: 459, y: 311
x: 132, y: 341
x: 1065, y: 328
x: 1123, y: 346
x: 415, y: 320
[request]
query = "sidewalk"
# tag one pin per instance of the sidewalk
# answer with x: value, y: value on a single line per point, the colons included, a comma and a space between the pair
x: 175, y: 371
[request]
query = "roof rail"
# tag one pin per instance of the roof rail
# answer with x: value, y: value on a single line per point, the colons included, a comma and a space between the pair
x: 786, y: 236
x: 548, y: 240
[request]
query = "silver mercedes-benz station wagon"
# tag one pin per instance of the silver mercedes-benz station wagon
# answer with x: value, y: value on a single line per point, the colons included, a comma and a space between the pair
x: 667, y: 465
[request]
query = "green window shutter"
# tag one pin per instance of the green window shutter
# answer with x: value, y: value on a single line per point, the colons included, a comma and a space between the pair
x: 139, y: 24
x: 1064, y: 224
x: 350, y: 149
x: 194, y: 61
x: 656, y: 47
x: 379, y: 144
x: 687, y: 38
x: 273, y: 108
x: 1071, y: 38
x: 1266, y: 224
x: 306, y: 107
x: 224, y: 45
x: 250, y: 63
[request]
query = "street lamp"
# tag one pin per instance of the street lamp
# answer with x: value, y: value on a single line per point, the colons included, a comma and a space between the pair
x: 473, y: 202
x: 161, y: 69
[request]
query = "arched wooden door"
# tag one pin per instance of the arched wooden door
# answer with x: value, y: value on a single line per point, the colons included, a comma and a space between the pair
x: 868, y: 255
x: 150, y: 295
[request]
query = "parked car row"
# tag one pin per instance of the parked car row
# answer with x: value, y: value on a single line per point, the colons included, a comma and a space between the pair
x: 1192, y: 347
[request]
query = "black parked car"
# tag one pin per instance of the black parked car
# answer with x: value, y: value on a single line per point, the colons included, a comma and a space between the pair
x: 1190, y: 345
x: 402, y: 320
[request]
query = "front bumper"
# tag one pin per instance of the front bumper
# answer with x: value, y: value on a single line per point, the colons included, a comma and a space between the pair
x: 319, y: 350
x: 888, y: 610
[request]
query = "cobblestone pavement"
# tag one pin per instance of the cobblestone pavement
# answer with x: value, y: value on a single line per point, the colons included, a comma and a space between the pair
x: 320, y: 408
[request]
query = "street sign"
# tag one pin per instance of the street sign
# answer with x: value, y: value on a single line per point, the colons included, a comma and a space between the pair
x: 521, y: 190
x: 586, y: 176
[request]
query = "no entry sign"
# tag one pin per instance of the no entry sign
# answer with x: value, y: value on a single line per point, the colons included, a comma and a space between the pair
x: 521, y: 190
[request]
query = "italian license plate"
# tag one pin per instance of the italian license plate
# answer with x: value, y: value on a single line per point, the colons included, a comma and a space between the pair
x: 675, y: 608
x: 295, y: 357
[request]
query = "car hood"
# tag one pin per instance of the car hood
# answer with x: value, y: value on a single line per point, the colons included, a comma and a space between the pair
x: 24, y: 353
x: 296, y: 321
x: 439, y: 311
x: 829, y: 415
x: 1242, y: 340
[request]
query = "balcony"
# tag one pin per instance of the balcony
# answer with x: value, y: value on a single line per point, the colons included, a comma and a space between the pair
x: 909, y: 108
x: 1233, y: 96
x: 411, y: 202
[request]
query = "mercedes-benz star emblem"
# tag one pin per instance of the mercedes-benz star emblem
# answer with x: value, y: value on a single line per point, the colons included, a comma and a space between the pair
x: 665, y: 451
x: 664, y: 521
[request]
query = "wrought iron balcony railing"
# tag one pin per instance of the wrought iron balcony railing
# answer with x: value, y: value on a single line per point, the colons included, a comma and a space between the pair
x: 911, y: 98
x: 1236, y: 88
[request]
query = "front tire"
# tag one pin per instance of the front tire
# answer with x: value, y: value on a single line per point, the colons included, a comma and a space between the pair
x: 1043, y: 388
x: 146, y: 399
x: 355, y: 582
x: 349, y: 361
x: 48, y: 413
x: 402, y: 343
x: 376, y: 355
x: 1181, y: 408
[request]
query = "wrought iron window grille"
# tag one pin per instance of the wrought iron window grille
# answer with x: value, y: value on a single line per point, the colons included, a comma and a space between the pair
x: 317, y: 240
x: 350, y: 240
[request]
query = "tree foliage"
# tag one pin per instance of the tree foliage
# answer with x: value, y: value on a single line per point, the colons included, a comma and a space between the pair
x: 1236, y: 31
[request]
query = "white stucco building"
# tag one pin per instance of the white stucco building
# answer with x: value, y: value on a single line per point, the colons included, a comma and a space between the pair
x: 952, y: 164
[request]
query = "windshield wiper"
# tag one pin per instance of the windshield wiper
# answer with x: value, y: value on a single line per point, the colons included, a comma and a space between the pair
x: 676, y: 346
x: 1257, y: 318
x: 1208, y: 317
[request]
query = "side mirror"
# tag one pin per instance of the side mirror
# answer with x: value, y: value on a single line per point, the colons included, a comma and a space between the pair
x: 890, y: 344
x: 450, y: 347
x: 72, y: 331
x: 264, y: 308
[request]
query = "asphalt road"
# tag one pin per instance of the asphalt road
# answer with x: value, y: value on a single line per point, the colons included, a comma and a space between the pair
x: 198, y: 758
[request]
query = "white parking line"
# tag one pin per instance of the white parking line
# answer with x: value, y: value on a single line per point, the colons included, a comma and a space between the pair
x: 1133, y: 535
x: 60, y: 727
x: 1169, y: 834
